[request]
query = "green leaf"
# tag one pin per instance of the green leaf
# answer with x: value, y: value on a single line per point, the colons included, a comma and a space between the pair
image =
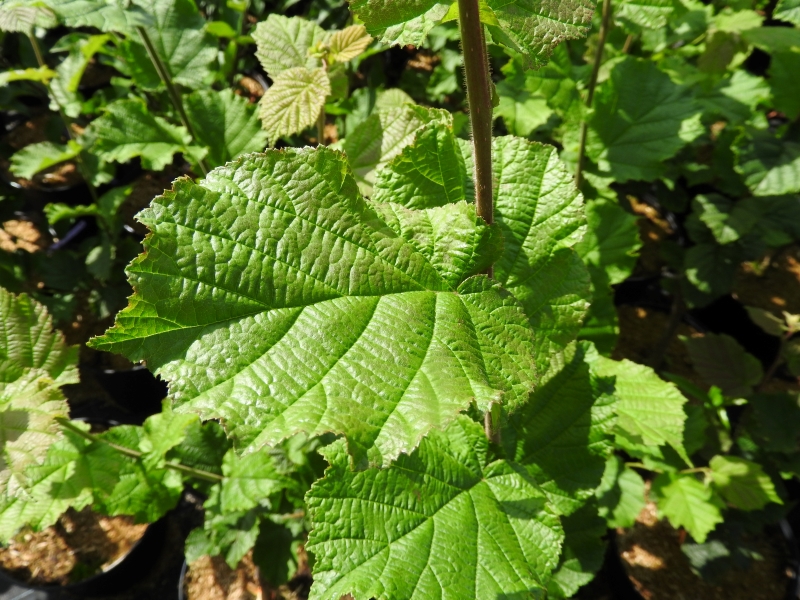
x: 721, y: 361
x: 348, y: 43
x: 611, y: 241
x: 464, y: 525
x: 687, y: 503
x: 535, y: 28
x: 650, y: 410
x: 711, y: 267
x: 64, y: 87
x: 23, y: 15
x: 400, y: 23
x: 283, y: 43
x: 640, y: 119
x: 620, y: 496
x: 737, y: 96
x: 225, y: 123
x: 775, y: 421
x: 788, y: 10
x: 783, y: 67
x: 768, y: 322
x: 37, y: 157
x: 128, y: 129
x: 58, y: 211
x: 301, y: 312
x: 583, y: 553
x: 27, y: 341
x: 769, y: 164
x: 40, y: 74
x: 647, y: 14
x: 743, y: 483
x: 294, y: 101
x: 382, y: 136
x: 180, y: 40
x: 105, y: 15
x: 427, y: 173
x: 774, y: 39
x: 728, y: 221
x: 540, y: 213
x: 249, y: 481
x: 564, y: 432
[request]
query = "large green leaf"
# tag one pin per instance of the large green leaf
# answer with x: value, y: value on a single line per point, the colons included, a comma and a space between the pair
x: 294, y: 101
x: 43, y: 155
x: 128, y: 129
x: 178, y: 34
x: 721, y: 361
x: 647, y: 14
x: 564, y: 433
x: 788, y: 10
x: 640, y: 119
x: 105, y: 15
x: 284, y: 42
x: 770, y: 164
x: 404, y: 22
x: 783, y: 67
x: 225, y: 123
x: 535, y: 28
x: 743, y: 483
x: 316, y: 315
x: 445, y: 522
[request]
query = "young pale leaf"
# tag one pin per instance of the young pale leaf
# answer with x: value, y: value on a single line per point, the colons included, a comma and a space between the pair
x: 720, y: 360
x: 40, y: 74
x: 465, y: 526
x: 401, y: 23
x: 640, y: 119
x: 249, y: 481
x: 583, y: 553
x: 348, y: 43
x: 564, y: 433
x: 620, y: 496
x: 648, y: 14
x: 38, y: 157
x: 320, y: 313
x: 294, y: 101
x: 22, y: 16
x: 535, y: 28
x: 225, y: 123
x: 27, y: 341
x: 687, y: 503
x: 128, y: 129
x: 788, y: 10
x: 743, y: 483
x: 178, y: 34
x: 428, y: 173
x: 769, y: 164
x: 283, y: 43
x: 650, y: 410
x: 768, y: 322
x: 383, y: 135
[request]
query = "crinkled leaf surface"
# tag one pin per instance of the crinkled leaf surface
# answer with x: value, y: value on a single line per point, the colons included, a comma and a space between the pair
x: 348, y: 43
x: 178, y: 33
x: 444, y: 522
x: 294, y: 101
x: 404, y: 22
x: 273, y: 297
x: 225, y: 123
x: 382, y: 136
x: 649, y: 14
x: 105, y: 15
x: 284, y: 42
x: 742, y: 482
x: 535, y: 28
x: 640, y: 119
x: 128, y: 129
x: 686, y: 502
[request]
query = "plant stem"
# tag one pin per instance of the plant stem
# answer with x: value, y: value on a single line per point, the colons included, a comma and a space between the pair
x: 321, y: 127
x: 598, y: 59
x: 479, y: 99
x: 172, y: 91
x: 628, y: 43
x: 66, y: 120
x: 129, y: 452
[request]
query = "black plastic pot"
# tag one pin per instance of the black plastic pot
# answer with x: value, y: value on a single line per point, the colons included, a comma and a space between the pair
x: 123, y: 574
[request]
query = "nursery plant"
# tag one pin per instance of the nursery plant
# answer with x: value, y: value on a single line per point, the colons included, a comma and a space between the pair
x: 394, y: 349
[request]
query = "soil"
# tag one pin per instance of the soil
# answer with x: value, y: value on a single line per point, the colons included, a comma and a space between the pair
x: 147, y: 187
x: 21, y: 235
x: 773, y: 285
x: 652, y: 557
x: 79, y: 545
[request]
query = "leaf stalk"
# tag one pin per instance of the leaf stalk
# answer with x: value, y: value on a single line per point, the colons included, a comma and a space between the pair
x: 172, y: 91
x: 479, y: 99
x: 598, y: 59
x: 131, y: 453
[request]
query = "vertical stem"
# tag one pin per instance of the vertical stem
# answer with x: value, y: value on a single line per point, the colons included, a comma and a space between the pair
x: 67, y: 121
x: 628, y: 43
x: 598, y: 59
x: 174, y: 96
x: 479, y: 98
x: 321, y: 127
